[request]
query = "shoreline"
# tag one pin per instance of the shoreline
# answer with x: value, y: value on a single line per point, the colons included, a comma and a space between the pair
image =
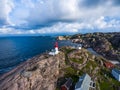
x: 31, y: 69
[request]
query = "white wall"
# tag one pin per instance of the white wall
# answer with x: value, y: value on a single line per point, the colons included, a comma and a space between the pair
x: 116, y: 75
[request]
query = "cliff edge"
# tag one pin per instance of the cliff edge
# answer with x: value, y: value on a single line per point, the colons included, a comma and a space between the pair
x: 45, y: 72
x: 39, y: 73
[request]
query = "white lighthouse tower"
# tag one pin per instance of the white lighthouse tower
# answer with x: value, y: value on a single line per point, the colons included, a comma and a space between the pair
x: 56, y: 48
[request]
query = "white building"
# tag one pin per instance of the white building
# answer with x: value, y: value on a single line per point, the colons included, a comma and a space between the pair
x: 77, y: 46
x: 84, y: 83
x: 55, y: 50
x: 116, y: 74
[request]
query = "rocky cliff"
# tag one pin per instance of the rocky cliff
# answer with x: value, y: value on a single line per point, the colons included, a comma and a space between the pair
x: 38, y: 73
x: 79, y: 62
x: 106, y: 44
x: 45, y: 72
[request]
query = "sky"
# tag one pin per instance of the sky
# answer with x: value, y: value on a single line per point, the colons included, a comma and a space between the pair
x: 42, y: 17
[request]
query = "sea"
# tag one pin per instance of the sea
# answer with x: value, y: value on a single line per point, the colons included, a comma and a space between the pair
x: 16, y: 50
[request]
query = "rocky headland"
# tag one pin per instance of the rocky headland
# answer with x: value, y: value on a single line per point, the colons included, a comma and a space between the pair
x: 47, y: 72
x: 39, y: 73
x: 106, y: 44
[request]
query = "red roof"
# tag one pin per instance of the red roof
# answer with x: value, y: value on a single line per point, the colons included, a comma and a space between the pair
x: 109, y: 64
x: 56, y: 44
x: 67, y: 84
x: 64, y: 88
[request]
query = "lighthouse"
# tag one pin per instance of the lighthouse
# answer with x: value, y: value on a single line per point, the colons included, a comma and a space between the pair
x: 56, y: 48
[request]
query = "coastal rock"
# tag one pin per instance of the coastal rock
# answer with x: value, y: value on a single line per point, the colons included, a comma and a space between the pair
x: 61, y: 38
x: 106, y: 44
x: 79, y: 58
x: 38, y: 73
x: 116, y: 41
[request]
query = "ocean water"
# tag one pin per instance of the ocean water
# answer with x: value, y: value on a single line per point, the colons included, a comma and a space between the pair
x: 15, y: 50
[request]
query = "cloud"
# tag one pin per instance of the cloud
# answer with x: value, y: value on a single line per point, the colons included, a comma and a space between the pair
x: 98, y: 3
x: 116, y: 2
x: 99, y: 25
x: 5, y: 8
x: 58, y: 16
x: 47, y: 12
x: 40, y: 12
x: 90, y: 3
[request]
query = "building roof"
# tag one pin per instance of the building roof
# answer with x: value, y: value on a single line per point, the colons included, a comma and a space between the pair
x: 109, y: 64
x: 116, y: 70
x: 83, y: 83
x: 56, y: 44
x: 68, y: 83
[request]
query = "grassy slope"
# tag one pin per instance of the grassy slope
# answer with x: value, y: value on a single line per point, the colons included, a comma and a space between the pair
x: 104, y: 81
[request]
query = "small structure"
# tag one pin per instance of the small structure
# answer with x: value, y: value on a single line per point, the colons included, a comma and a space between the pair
x: 116, y: 73
x: 115, y: 62
x: 55, y: 50
x: 67, y: 84
x: 77, y: 46
x: 84, y: 83
x: 109, y: 65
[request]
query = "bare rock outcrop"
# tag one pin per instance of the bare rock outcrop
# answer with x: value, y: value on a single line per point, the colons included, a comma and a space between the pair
x: 61, y: 38
x: 38, y: 73
x: 106, y: 44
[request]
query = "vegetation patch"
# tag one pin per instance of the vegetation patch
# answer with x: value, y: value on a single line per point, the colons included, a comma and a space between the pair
x: 94, y: 66
x: 70, y: 72
x: 105, y: 86
x: 79, y: 61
